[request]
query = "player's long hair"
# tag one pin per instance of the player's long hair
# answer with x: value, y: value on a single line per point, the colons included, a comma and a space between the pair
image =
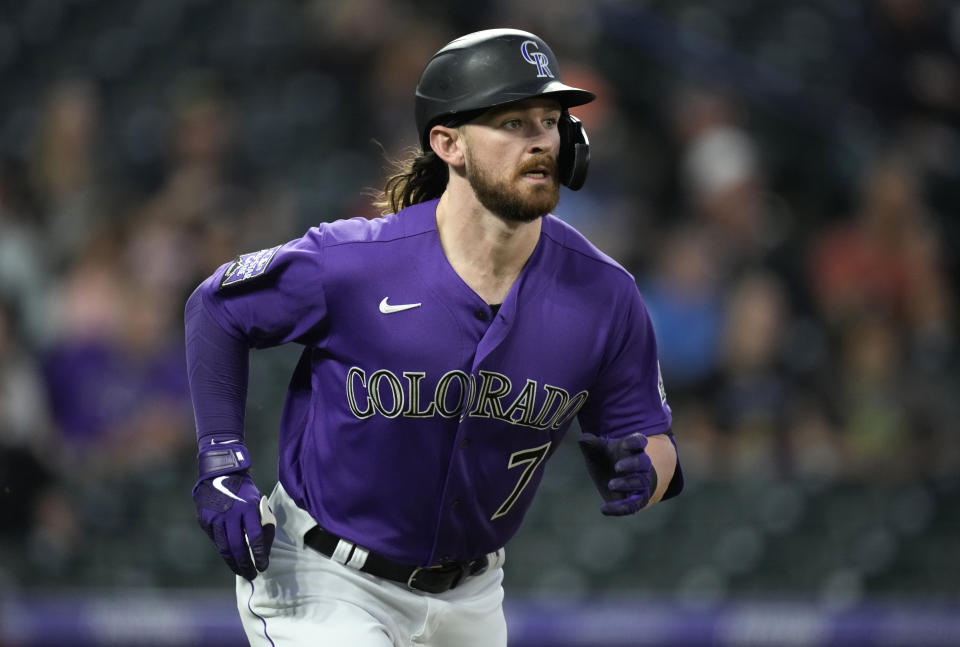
x: 416, y: 178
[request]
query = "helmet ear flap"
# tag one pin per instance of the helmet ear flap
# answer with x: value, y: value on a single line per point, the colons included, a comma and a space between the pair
x: 574, y: 158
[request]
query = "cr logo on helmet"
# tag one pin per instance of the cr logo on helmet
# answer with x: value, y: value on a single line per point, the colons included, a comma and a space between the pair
x: 536, y: 58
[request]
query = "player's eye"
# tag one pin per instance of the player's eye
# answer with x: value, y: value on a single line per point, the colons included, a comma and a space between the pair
x: 550, y: 122
x: 511, y: 124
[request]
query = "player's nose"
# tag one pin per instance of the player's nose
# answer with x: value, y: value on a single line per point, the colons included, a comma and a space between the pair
x: 540, y: 138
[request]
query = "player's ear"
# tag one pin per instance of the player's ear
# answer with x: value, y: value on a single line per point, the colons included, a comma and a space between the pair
x: 447, y: 144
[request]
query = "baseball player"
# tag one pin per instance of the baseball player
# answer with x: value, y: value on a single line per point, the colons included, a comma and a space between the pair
x: 447, y: 348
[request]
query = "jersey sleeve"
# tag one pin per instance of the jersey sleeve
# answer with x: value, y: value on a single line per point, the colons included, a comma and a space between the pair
x: 628, y: 395
x: 271, y: 297
x: 262, y: 299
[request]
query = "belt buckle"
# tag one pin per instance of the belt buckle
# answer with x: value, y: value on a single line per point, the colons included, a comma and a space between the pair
x: 453, y: 575
x: 412, y: 579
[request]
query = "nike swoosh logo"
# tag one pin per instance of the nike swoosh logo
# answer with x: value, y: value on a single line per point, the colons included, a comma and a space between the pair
x: 225, y: 442
x: 218, y: 484
x: 386, y: 308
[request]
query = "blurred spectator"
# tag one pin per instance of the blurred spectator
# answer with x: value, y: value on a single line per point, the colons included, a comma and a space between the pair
x: 202, y: 169
x: 723, y: 181
x: 212, y: 204
x: 24, y: 418
x: 880, y: 286
x: 685, y: 300
x: 905, y: 72
x: 25, y: 264
x: 814, y: 444
x: 34, y: 506
x: 879, y: 433
x: 886, y: 257
x: 752, y: 398
x: 66, y: 168
x: 116, y: 374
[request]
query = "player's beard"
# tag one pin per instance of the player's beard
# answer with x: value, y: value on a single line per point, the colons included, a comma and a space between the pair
x: 503, y: 198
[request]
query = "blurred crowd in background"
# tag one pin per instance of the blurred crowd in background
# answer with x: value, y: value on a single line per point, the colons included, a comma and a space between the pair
x: 782, y: 179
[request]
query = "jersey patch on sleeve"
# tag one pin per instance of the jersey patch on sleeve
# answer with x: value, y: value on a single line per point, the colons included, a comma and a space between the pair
x: 660, y: 387
x: 248, y: 266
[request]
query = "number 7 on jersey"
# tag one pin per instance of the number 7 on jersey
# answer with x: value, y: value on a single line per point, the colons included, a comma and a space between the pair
x: 532, y: 458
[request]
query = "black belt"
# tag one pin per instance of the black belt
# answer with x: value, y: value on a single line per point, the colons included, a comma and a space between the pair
x: 434, y: 579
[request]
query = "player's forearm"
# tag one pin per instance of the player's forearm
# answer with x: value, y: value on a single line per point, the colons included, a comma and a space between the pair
x: 217, y: 368
x: 663, y: 455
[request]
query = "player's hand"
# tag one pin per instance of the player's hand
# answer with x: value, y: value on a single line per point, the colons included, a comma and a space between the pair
x: 621, y: 470
x: 238, y: 520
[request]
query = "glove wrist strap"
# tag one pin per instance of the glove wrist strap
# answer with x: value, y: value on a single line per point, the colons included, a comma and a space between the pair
x: 217, y: 460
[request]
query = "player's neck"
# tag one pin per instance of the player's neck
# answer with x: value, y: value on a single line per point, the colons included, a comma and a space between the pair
x: 487, y: 252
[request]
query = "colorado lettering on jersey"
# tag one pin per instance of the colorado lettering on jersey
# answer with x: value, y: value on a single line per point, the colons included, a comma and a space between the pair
x: 459, y: 394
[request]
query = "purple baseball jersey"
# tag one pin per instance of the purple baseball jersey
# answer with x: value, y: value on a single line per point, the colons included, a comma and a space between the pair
x: 417, y: 422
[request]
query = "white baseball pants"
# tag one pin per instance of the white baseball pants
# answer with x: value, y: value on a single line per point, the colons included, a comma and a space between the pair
x: 305, y: 598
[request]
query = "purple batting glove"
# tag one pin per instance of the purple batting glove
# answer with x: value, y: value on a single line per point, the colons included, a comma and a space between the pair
x: 621, y: 470
x: 238, y: 520
x: 231, y: 509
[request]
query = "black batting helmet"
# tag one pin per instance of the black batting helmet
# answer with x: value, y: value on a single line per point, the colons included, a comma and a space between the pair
x: 491, y: 68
